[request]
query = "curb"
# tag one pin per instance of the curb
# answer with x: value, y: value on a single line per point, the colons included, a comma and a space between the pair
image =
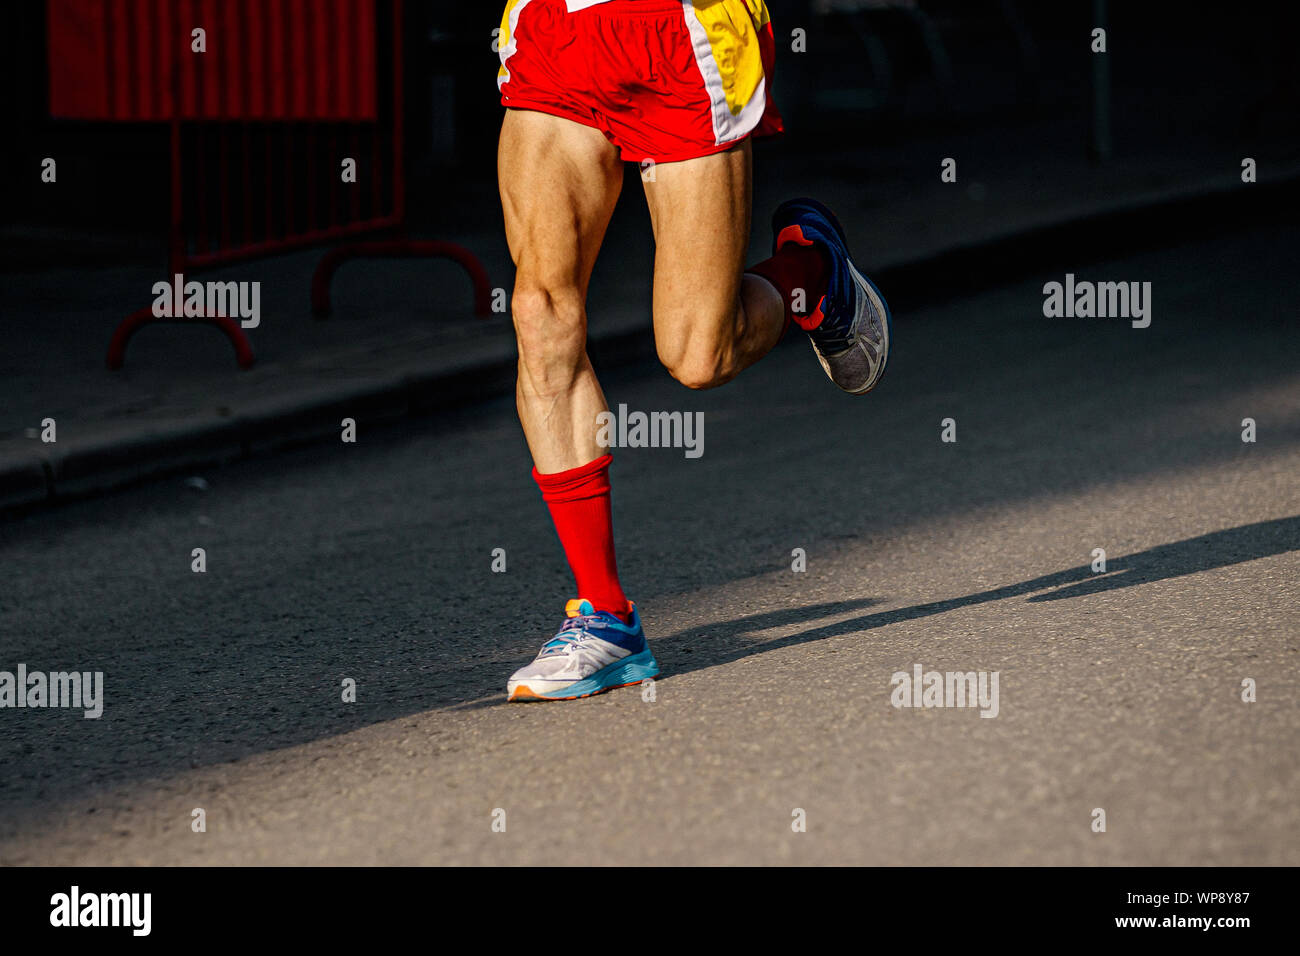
x: 44, y: 475
x: 1108, y: 234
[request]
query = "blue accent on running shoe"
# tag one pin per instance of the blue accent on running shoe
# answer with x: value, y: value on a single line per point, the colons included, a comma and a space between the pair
x: 604, y: 625
x: 630, y: 670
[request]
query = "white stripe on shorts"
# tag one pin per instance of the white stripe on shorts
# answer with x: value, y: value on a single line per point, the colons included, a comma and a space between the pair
x: 512, y: 46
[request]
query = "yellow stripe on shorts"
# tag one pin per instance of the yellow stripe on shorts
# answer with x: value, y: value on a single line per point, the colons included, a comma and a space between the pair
x: 725, y: 36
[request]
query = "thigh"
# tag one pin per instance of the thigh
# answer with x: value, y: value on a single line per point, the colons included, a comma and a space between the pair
x: 700, y: 209
x: 559, y: 182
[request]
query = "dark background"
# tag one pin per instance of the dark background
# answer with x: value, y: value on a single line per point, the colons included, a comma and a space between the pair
x: 1219, y: 72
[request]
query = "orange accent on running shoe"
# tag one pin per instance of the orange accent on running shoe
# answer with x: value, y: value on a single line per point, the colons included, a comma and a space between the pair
x: 792, y: 233
x: 524, y: 692
x: 814, y: 318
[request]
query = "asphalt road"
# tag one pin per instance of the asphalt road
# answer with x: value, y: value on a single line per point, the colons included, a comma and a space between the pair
x: 1119, y: 690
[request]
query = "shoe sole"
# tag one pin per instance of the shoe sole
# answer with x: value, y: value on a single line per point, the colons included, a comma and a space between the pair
x: 630, y: 670
x: 886, y: 334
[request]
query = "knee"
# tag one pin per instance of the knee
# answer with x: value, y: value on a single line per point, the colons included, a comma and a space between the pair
x: 550, y: 329
x: 697, y: 368
x: 697, y: 349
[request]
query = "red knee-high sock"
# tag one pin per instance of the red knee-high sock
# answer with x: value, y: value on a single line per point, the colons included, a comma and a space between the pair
x: 579, y: 503
x: 799, y: 264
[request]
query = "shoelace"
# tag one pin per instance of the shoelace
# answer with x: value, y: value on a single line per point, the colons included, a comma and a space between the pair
x: 571, y: 632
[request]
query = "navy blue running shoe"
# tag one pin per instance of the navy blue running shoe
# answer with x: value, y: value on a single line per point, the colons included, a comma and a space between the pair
x: 850, y: 327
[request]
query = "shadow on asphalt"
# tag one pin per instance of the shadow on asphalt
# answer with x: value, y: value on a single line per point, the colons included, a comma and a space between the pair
x: 711, y: 637
x: 723, y: 642
x: 1203, y: 553
x: 714, y: 645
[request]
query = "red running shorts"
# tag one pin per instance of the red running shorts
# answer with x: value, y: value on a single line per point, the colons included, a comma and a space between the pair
x: 664, y: 80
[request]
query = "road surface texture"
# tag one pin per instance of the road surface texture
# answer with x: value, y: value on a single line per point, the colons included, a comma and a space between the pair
x: 1120, y: 691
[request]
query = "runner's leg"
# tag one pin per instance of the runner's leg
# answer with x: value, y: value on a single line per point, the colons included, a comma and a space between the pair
x: 559, y: 182
x: 711, y: 319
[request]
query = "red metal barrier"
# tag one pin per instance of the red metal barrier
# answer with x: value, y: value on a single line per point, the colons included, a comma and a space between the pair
x: 259, y: 125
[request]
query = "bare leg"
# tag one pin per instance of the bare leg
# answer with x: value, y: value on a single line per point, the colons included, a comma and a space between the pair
x: 711, y: 322
x: 559, y: 182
